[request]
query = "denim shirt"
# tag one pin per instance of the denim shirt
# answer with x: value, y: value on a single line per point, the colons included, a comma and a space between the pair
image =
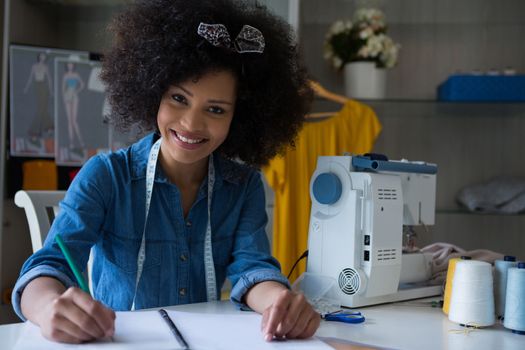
x: 104, y: 208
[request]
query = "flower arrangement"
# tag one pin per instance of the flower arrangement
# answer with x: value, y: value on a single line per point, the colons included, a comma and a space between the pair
x: 362, y: 39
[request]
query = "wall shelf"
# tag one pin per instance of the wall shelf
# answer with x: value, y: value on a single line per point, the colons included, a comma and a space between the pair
x: 423, y: 108
x: 461, y: 211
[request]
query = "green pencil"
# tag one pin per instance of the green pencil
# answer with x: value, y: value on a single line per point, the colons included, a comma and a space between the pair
x: 72, y: 265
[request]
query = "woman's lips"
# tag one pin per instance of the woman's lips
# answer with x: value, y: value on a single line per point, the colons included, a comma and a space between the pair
x: 187, y: 141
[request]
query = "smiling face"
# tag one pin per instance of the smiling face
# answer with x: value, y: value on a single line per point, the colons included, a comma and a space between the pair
x: 194, y: 118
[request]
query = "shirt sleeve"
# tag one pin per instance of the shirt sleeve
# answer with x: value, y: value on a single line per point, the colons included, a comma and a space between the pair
x: 81, y: 214
x: 38, y: 271
x: 252, y: 262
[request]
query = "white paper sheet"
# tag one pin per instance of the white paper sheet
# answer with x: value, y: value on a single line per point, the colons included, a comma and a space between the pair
x: 147, y: 330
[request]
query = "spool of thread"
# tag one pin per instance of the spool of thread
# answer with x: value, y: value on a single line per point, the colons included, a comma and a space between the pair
x: 472, y: 299
x: 515, y: 299
x: 500, y: 282
x: 449, y: 282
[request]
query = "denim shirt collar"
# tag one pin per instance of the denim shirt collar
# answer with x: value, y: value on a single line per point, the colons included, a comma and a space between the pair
x: 225, y: 169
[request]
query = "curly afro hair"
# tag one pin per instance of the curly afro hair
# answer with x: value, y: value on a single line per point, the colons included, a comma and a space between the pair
x: 157, y: 45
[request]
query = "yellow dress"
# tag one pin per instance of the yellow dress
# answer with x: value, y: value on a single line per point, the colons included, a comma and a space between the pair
x: 353, y: 129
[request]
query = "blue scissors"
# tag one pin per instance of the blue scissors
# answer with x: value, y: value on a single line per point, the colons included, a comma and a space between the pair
x: 345, y: 316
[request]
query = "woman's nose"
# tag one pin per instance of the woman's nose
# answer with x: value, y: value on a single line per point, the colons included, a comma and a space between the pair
x: 193, y: 120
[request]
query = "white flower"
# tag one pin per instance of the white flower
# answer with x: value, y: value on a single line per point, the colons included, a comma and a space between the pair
x: 339, y: 27
x: 364, y: 52
x: 389, y: 53
x: 372, y: 17
x: 366, y: 33
x: 363, y: 38
x: 328, y: 52
x: 337, y: 62
x: 375, y: 45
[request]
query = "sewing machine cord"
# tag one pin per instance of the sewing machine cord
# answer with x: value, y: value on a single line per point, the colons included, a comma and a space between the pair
x: 304, y: 255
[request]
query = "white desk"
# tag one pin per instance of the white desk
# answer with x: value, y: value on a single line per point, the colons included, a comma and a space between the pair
x: 397, y: 326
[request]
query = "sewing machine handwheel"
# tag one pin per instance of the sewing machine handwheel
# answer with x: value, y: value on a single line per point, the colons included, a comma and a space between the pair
x: 327, y: 188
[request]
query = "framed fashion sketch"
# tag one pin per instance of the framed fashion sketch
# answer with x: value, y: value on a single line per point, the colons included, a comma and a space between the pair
x: 32, y: 84
x: 79, y: 111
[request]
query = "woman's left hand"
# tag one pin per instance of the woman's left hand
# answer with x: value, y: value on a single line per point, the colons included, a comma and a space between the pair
x: 289, y: 316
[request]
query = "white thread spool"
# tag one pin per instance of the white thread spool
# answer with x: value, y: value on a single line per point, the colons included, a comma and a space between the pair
x: 515, y: 299
x: 500, y: 282
x: 472, y: 300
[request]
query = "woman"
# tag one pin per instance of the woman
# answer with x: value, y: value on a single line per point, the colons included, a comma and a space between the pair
x: 176, y: 213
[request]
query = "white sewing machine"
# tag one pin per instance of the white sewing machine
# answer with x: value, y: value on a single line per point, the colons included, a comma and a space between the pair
x: 359, y: 207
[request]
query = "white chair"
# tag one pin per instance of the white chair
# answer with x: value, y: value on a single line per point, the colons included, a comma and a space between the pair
x: 41, y: 208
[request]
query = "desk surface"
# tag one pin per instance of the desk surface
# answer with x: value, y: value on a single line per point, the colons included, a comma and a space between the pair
x: 405, y: 325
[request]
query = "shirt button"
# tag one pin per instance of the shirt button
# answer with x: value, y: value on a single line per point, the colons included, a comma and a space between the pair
x: 182, y: 291
x: 188, y: 223
x: 183, y: 257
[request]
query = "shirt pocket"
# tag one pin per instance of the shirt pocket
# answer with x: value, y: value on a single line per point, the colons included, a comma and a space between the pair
x: 123, y: 252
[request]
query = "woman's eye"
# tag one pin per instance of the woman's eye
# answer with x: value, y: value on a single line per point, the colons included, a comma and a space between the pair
x: 178, y: 98
x: 216, y: 110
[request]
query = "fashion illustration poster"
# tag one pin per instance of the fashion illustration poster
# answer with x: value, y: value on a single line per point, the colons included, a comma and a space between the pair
x: 79, y: 112
x: 32, y: 86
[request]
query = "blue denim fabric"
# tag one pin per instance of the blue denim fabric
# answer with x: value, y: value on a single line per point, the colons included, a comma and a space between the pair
x: 104, y: 208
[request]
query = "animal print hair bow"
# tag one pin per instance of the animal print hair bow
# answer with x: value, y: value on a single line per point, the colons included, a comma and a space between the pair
x: 249, y: 39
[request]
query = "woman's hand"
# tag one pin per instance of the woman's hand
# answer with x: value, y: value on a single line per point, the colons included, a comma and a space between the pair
x: 284, y: 313
x: 75, y: 317
x: 69, y: 316
x: 289, y: 316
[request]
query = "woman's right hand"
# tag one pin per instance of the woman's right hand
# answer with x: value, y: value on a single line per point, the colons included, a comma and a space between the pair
x: 68, y: 316
x: 75, y: 317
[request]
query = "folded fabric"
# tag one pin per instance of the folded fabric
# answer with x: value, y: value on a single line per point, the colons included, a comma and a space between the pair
x: 443, y: 252
x: 502, y: 194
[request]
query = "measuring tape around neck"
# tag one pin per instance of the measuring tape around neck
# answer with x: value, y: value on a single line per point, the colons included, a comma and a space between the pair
x: 211, y: 285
